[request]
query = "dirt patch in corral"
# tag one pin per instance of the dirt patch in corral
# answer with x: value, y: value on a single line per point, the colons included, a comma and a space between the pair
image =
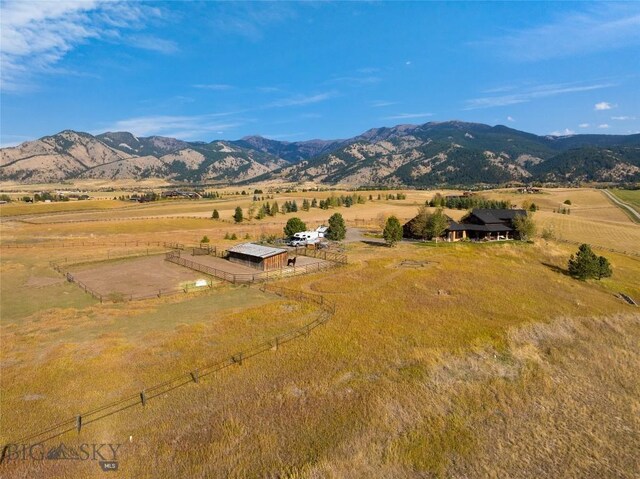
x: 138, y: 277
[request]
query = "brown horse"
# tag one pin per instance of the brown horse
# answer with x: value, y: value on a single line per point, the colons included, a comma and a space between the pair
x: 291, y: 262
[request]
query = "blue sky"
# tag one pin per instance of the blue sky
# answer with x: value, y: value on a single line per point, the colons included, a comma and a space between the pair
x: 295, y: 71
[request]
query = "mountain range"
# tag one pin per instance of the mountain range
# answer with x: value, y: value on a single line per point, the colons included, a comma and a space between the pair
x: 433, y: 154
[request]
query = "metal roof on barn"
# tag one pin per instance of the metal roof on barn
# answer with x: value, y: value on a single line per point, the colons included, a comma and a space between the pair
x: 256, y: 250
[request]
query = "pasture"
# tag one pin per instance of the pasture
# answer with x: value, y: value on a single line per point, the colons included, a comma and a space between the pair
x: 448, y: 360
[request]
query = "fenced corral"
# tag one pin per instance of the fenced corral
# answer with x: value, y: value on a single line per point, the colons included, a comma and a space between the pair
x: 226, y: 273
x: 130, y: 278
x: 321, y: 254
x: 326, y: 310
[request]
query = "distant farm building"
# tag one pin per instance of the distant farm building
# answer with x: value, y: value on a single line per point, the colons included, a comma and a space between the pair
x: 258, y: 256
x: 177, y: 194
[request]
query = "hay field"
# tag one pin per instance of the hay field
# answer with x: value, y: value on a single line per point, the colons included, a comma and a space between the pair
x: 455, y: 360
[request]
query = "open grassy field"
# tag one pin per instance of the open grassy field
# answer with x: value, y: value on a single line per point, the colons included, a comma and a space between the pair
x: 631, y: 197
x: 448, y: 360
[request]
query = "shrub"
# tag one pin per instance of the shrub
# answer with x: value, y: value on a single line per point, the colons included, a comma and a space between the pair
x: 567, y: 202
x: 205, y: 239
x: 215, y: 215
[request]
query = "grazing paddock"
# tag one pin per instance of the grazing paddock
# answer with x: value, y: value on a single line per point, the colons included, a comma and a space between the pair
x: 138, y: 277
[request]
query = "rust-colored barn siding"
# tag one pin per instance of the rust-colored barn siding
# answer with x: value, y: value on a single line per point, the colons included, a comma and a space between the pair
x: 276, y: 261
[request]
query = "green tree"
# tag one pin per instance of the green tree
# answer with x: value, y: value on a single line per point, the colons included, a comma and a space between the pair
x: 585, y: 264
x: 306, y: 205
x: 238, y: 215
x: 392, y: 231
x: 294, y: 225
x: 215, y: 215
x: 337, y: 229
x: 525, y: 226
x: 604, y: 268
x: 274, y: 208
x: 420, y: 224
x: 437, y: 224
x: 205, y: 239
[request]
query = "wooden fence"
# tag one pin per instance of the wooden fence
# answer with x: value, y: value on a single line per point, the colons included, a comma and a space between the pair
x: 121, y: 297
x: 87, y: 244
x: 326, y: 309
x: 244, y: 278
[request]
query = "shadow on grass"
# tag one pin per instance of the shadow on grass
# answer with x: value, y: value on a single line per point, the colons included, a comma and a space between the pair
x: 556, y: 269
x: 374, y: 243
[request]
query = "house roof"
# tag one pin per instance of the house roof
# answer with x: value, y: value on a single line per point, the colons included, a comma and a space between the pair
x: 488, y: 216
x: 256, y: 250
x: 490, y: 228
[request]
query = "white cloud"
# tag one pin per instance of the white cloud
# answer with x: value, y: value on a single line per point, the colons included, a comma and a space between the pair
x: 623, y: 118
x: 407, y: 63
x: 598, y: 27
x: 250, y: 19
x: 565, y: 132
x: 584, y: 125
x: 154, y: 44
x: 298, y: 100
x: 532, y: 93
x: 603, y: 105
x: 407, y: 116
x: 36, y: 36
x: 510, y: 118
x: 182, y: 127
x: 382, y: 103
x: 604, y: 126
x: 213, y: 86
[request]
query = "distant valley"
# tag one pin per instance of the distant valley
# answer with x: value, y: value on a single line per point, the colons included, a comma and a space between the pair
x: 433, y: 154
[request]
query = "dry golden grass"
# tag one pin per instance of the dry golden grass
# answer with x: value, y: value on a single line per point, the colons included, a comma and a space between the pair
x: 486, y: 361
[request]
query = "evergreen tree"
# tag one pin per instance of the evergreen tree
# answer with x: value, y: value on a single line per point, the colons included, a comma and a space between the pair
x: 314, y: 203
x: 238, y: 215
x: 337, y: 229
x: 306, y: 205
x: 294, y: 225
x: 604, y: 268
x: 215, y: 215
x: 392, y: 231
x: 294, y: 207
x: 274, y: 208
x: 585, y: 264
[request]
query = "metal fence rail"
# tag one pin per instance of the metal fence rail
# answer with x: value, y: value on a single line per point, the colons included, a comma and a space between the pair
x: 326, y: 309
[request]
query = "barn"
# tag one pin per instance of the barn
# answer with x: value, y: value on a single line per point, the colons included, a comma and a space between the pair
x: 258, y: 256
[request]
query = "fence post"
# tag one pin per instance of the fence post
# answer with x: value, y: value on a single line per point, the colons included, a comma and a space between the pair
x: 194, y: 376
x: 143, y: 398
x: 276, y: 344
x: 237, y: 359
x: 78, y: 422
